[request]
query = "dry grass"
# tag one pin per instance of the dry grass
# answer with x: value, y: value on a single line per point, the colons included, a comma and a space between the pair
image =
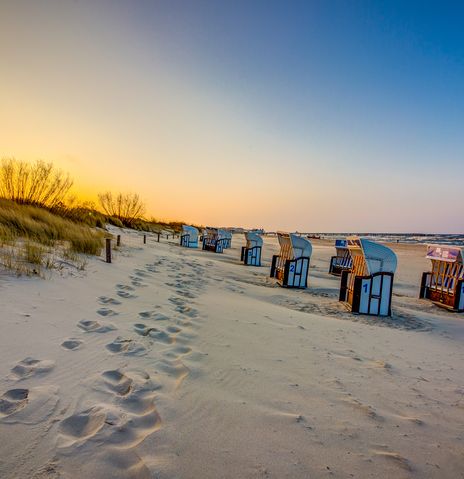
x: 30, y: 237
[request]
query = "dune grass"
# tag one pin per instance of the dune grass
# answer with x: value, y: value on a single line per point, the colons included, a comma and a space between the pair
x: 43, y: 227
x: 31, y: 235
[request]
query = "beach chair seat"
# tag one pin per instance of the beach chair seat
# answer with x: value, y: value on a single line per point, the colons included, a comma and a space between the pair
x: 342, y: 260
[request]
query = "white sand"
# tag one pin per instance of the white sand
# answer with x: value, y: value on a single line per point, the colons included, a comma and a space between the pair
x: 177, y: 363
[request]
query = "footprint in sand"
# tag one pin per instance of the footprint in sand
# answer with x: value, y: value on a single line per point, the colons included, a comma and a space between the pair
x: 173, y: 329
x: 106, y: 312
x: 177, y: 352
x: 187, y: 311
x: 186, y: 294
x: 85, y: 424
x: 153, y: 315
x: 95, y: 327
x: 154, y: 333
x: 117, y: 382
x: 28, y: 406
x: 29, y: 367
x: 125, y: 294
x: 126, y: 346
x: 124, y: 287
x: 141, y: 273
x: 107, y: 300
x: 174, y: 368
x: 137, y: 383
x: 12, y: 401
x: 109, y: 424
x: 72, y: 344
x: 177, y: 301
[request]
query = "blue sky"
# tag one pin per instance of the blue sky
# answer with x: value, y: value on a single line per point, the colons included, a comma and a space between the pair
x: 315, y: 115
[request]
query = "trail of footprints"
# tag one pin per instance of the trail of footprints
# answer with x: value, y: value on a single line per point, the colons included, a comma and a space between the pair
x: 127, y: 413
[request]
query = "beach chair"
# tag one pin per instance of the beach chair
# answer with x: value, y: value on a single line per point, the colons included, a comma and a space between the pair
x: 444, y: 285
x: 342, y: 260
x: 291, y: 266
x: 213, y: 240
x: 251, y: 253
x: 367, y: 287
x: 226, y: 236
x: 189, y: 237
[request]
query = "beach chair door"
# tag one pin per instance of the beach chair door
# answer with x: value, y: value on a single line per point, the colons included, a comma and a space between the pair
x: 374, y: 293
x: 185, y: 240
x: 253, y: 256
x: 220, y: 245
x: 296, y: 273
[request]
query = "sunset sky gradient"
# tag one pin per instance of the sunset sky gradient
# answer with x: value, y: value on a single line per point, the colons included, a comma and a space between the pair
x: 300, y: 115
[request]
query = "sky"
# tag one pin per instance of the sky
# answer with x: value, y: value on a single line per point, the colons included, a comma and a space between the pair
x: 293, y: 115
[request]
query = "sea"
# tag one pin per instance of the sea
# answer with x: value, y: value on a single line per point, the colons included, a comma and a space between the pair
x: 421, y: 238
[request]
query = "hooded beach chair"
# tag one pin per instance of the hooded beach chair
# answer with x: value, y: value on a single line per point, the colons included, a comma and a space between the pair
x: 342, y: 260
x: 226, y: 237
x: 444, y: 285
x: 291, y: 265
x: 213, y: 240
x: 251, y: 253
x: 367, y: 287
x: 189, y: 237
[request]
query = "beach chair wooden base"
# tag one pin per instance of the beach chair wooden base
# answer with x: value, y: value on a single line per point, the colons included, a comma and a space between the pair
x: 292, y: 274
x: 369, y: 295
x: 214, y: 245
x: 452, y: 300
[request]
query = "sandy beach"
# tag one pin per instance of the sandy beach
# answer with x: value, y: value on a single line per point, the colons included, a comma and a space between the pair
x: 179, y: 363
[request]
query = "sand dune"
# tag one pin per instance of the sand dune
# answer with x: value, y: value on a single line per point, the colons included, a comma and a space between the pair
x: 175, y: 363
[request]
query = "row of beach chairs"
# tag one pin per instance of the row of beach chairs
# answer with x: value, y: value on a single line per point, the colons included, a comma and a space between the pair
x: 366, y: 268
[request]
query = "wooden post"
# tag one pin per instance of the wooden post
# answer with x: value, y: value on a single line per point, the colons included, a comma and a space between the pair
x: 159, y: 237
x: 144, y: 239
x: 108, y: 250
x: 118, y: 240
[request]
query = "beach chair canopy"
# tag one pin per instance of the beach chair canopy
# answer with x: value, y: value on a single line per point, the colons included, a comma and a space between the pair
x: 253, y: 239
x: 222, y: 233
x: 450, y: 254
x: 211, y: 232
x: 301, y: 246
x: 190, y: 230
x: 377, y: 257
x: 293, y: 246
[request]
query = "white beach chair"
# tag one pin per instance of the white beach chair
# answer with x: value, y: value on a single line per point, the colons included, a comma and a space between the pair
x: 291, y: 266
x: 214, y: 240
x: 367, y: 287
x: 189, y: 237
x: 251, y: 253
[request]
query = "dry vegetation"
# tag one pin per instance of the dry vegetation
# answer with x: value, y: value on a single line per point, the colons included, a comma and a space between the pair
x: 38, y: 183
x: 30, y: 235
x: 40, y: 224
